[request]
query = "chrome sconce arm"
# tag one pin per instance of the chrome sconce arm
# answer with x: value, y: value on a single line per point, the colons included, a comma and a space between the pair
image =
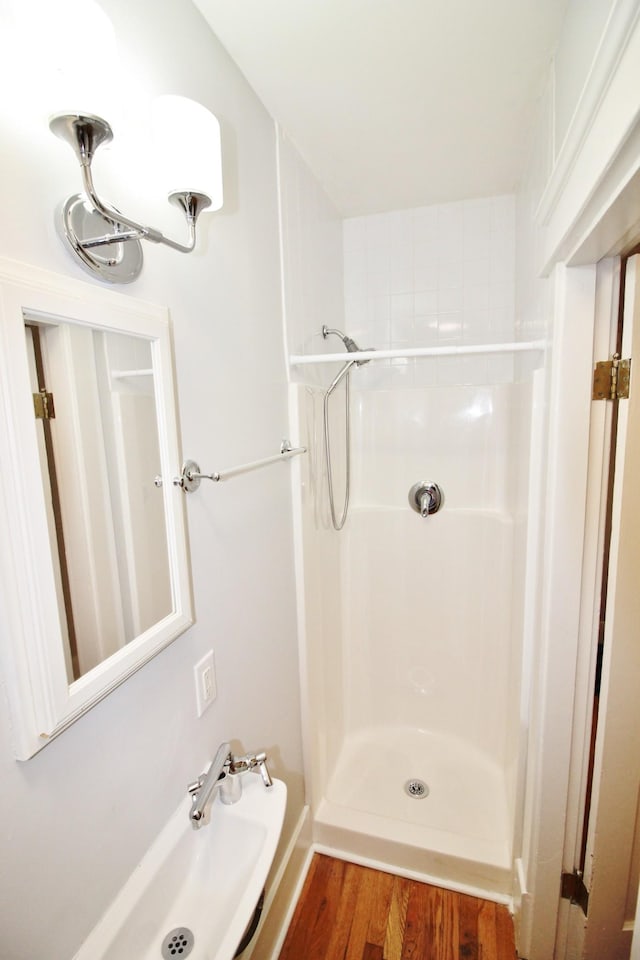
x: 192, y: 205
x: 87, y: 223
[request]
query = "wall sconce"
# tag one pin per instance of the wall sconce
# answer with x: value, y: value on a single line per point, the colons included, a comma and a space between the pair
x: 106, y: 242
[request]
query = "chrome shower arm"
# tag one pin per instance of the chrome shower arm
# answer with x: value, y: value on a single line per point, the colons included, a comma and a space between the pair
x: 330, y: 331
x: 348, y: 341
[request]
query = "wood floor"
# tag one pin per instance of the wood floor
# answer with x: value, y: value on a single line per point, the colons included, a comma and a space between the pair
x: 347, y: 912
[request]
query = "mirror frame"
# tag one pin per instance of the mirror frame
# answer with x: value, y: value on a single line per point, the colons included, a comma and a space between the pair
x: 41, y: 700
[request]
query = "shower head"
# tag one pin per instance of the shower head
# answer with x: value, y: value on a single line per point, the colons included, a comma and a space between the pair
x: 349, y: 342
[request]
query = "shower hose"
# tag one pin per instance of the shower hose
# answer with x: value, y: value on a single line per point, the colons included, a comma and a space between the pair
x: 338, y: 524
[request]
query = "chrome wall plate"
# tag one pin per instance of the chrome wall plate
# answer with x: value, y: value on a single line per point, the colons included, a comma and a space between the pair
x: 78, y: 222
x: 426, y: 497
x: 188, y: 482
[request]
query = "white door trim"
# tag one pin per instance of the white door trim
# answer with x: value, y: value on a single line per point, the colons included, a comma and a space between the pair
x: 571, y: 920
x: 550, y: 743
x: 582, y: 224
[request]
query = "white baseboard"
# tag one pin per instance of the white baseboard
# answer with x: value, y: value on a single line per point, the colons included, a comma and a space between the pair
x: 522, y: 910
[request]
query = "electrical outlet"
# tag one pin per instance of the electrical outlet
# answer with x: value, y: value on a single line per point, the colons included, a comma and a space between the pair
x: 205, y: 678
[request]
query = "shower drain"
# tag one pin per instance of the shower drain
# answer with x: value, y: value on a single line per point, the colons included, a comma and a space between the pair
x: 177, y: 943
x: 416, y: 789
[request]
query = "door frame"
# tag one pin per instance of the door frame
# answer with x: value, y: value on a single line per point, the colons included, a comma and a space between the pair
x: 586, y: 213
x: 571, y: 926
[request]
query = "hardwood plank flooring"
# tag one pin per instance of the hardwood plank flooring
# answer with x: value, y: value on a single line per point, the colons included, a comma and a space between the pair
x: 348, y: 912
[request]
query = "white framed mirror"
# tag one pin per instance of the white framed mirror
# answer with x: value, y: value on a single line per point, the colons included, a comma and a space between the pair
x: 94, y: 575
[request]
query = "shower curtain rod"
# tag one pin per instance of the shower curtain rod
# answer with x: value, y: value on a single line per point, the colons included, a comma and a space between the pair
x: 445, y: 351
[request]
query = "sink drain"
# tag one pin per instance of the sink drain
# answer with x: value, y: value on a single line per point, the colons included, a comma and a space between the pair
x: 417, y: 789
x: 177, y: 943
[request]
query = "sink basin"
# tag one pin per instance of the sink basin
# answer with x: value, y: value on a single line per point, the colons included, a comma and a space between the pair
x: 205, y: 881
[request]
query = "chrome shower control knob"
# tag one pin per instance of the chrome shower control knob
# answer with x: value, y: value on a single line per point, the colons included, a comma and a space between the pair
x: 426, y: 497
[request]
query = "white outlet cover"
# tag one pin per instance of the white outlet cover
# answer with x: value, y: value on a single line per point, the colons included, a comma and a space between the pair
x: 205, y: 681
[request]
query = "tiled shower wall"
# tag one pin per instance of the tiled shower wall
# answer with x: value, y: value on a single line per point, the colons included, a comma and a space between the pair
x: 429, y: 277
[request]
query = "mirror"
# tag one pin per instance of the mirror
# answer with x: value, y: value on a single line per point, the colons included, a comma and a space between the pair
x: 94, y: 574
x: 99, y: 456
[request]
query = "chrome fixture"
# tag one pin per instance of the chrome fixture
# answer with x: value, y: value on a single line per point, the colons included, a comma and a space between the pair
x: 106, y: 242
x: 191, y: 476
x: 416, y: 789
x: 178, y: 942
x: 224, y: 775
x: 352, y: 347
x: 203, y: 789
x: 349, y: 342
x: 426, y: 497
x: 235, y: 767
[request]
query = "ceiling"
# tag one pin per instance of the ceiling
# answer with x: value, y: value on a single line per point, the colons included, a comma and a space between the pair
x: 397, y: 103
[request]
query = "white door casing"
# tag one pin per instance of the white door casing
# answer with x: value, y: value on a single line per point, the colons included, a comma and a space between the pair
x: 611, y: 863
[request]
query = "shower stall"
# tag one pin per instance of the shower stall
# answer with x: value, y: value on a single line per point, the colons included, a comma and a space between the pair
x: 416, y: 626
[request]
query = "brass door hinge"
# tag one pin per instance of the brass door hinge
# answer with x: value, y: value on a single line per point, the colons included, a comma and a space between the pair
x: 43, y: 406
x: 573, y: 889
x: 611, y: 379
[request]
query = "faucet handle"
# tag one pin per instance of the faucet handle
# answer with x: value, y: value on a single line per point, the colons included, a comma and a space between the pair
x: 251, y: 761
x: 426, y: 497
x: 260, y: 761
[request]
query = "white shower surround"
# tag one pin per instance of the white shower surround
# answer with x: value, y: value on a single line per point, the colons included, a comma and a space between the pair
x: 413, y: 629
x: 414, y: 632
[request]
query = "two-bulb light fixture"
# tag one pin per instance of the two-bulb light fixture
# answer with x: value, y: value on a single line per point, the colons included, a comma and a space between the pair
x: 106, y: 242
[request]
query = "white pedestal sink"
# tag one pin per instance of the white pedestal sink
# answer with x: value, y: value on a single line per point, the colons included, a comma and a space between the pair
x: 206, y: 882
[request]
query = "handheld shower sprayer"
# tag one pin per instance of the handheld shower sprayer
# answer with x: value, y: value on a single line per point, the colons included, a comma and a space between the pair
x: 352, y: 347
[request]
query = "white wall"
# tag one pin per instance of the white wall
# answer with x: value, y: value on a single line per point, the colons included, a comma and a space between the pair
x: 582, y: 31
x: 312, y: 260
x: 77, y: 817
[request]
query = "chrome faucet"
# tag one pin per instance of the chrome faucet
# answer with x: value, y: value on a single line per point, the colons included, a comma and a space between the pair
x: 203, y: 789
x: 224, y: 775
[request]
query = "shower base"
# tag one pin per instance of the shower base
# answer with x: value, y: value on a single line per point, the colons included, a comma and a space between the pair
x: 455, y: 835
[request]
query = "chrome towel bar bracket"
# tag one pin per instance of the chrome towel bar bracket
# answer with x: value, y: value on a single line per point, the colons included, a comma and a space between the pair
x: 191, y: 474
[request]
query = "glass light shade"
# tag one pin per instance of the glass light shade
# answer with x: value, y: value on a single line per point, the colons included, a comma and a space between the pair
x: 71, y: 50
x: 186, y: 138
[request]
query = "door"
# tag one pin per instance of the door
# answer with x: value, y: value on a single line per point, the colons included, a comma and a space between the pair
x: 612, y: 852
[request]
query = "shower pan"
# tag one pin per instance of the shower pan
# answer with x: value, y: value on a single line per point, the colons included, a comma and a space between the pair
x: 414, y: 627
